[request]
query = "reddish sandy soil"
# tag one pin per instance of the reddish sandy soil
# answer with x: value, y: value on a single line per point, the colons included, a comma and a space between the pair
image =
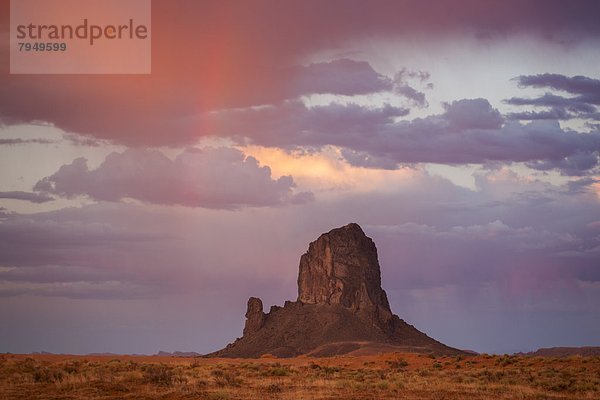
x: 389, y: 376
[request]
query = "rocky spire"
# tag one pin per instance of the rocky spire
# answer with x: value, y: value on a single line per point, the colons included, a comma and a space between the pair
x: 341, y: 308
x: 255, y: 316
x: 341, y: 267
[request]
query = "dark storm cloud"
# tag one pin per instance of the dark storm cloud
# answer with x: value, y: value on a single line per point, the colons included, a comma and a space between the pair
x: 243, y: 54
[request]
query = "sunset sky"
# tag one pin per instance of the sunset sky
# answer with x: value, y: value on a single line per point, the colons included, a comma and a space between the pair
x: 139, y: 212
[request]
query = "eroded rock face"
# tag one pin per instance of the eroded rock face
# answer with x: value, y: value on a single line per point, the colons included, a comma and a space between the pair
x: 341, y: 267
x: 341, y: 307
x: 255, y: 316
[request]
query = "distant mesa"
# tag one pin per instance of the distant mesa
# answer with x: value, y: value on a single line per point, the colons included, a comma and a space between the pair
x: 586, y: 351
x: 177, y: 354
x: 341, y: 308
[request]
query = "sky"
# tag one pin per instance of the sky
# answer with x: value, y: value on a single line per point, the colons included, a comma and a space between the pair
x: 139, y: 212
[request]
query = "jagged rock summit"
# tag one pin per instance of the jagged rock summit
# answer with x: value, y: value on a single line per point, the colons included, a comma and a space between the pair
x: 341, y: 308
x: 341, y: 267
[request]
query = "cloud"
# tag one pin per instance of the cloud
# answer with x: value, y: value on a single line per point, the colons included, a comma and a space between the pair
x: 429, y: 233
x: 582, y: 105
x: 365, y: 159
x: 552, y: 114
x: 476, y: 239
x: 53, y: 239
x: 341, y: 76
x: 557, y: 102
x: 515, y: 247
x: 475, y: 255
x: 472, y: 114
x: 401, y: 85
x: 253, y: 64
x: 511, y: 246
x: 26, y: 196
x: 4, y: 213
x: 211, y: 177
x: 56, y: 273
x: 588, y: 88
x: 293, y: 124
x: 581, y: 185
x: 77, y: 290
x: 108, y: 248
x: 413, y: 94
x: 77, y: 253
x: 470, y: 131
x: 574, y: 165
x: 16, y: 141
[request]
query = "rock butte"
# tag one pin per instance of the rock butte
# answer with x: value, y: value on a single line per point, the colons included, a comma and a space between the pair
x: 341, y: 308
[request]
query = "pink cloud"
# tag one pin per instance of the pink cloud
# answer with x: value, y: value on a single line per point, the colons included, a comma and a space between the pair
x: 211, y: 178
x: 221, y: 55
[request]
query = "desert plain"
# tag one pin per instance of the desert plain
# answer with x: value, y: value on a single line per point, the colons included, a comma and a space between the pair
x: 385, y: 376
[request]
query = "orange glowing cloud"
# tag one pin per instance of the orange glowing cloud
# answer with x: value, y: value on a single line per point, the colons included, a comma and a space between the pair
x: 327, y: 170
